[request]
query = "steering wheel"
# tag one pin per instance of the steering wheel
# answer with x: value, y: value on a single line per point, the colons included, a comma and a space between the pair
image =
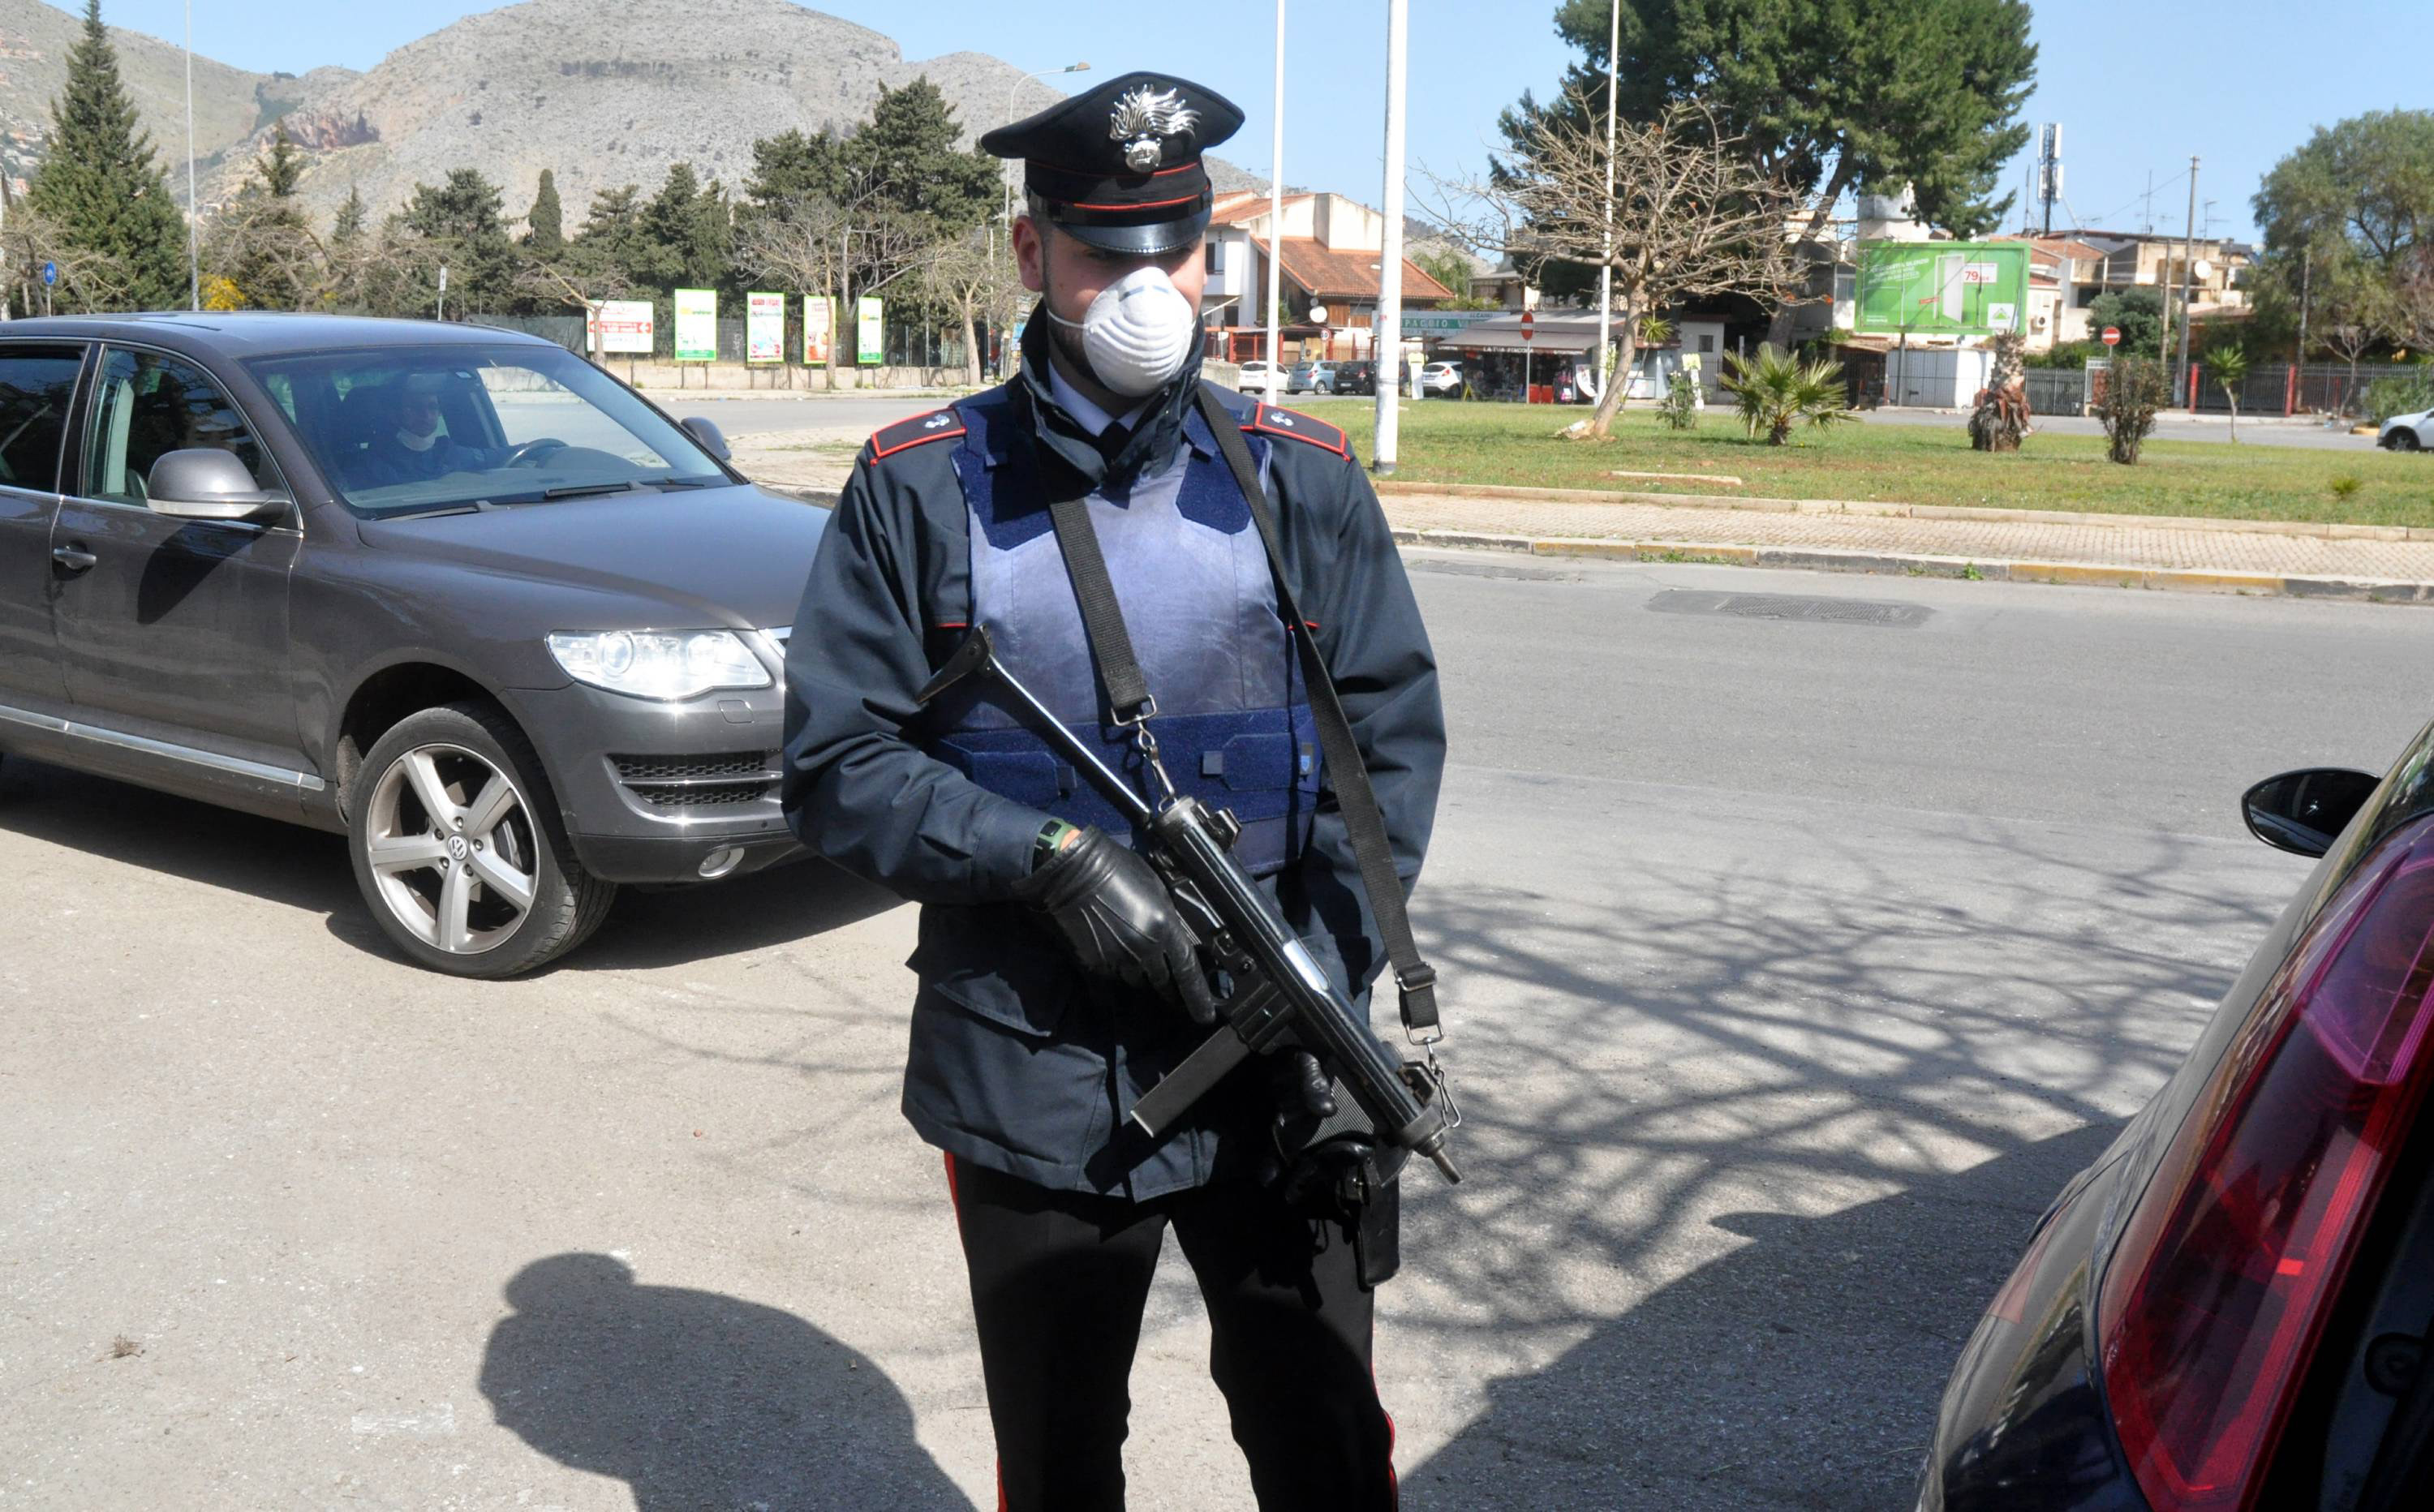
x: 531, y: 451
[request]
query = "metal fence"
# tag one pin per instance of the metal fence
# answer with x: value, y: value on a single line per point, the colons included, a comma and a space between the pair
x: 2058, y: 390
x: 2314, y: 388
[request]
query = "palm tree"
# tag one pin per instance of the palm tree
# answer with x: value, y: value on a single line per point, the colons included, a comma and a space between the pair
x: 2228, y: 366
x: 1775, y: 391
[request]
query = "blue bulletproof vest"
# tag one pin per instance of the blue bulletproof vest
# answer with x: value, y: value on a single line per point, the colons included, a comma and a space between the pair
x: 1233, y: 725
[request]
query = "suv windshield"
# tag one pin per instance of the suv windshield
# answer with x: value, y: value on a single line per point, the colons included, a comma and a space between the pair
x: 411, y: 430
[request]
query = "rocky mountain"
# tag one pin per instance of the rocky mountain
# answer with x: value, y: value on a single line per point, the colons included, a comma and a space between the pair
x: 602, y: 92
x: 230, y: 104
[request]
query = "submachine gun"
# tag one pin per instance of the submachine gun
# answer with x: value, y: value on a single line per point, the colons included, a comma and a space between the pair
x: 1280, y: 994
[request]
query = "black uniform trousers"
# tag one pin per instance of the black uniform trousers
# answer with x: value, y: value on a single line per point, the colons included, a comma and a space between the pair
x: 1059, y: 1279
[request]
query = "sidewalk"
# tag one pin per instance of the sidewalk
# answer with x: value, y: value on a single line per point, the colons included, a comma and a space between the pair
x: 2382, y: 563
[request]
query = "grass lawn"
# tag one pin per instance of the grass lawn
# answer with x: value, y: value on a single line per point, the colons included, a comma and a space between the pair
x: 1448, y: 442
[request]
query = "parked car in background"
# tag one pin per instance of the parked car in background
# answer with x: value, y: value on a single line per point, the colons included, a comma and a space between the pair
x: 1311, y: 377
x: 1257, y: 377
x: 1356, y: 378
x: 2407, y: 432
x: 2231, y: 1308
x: 1441, y: 377
x: 451, y: 592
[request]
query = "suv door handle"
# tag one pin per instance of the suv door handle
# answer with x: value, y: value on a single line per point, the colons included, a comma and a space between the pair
x: 75, y: 558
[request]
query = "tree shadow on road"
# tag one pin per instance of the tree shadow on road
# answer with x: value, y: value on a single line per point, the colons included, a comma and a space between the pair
x: 698, y: 1400
x: 1754, y: 1133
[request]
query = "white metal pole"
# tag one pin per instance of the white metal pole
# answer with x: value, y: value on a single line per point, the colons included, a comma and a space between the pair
x: 1276, y: 210
x: 1605, y: 269
x: 193, y: 209
x: 1386, y: 326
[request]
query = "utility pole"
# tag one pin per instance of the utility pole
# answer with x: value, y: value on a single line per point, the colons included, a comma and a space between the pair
x: 1386, y: 326
x: 2188, y: 252
x: 193, y: 209
x: 1275, y: 211
x: 2306, y: 270
x: 1605, y: 269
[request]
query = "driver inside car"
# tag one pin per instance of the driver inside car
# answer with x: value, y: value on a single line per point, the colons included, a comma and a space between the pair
x: 416, y: 449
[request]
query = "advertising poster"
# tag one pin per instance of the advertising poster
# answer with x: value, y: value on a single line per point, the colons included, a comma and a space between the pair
x: 819, y: 328
x: 871, y: 348
x: 1941, y: 288
x: 697, y: 325
x: 622, y: 326
x: 764, y: 328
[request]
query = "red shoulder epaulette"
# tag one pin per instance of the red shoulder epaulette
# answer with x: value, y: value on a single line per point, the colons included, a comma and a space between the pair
x: 938, y: 425
x: 1270, y: 421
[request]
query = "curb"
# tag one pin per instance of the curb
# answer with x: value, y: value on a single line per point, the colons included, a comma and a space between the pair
x: 2077, y: 574
x: 1886, y: 509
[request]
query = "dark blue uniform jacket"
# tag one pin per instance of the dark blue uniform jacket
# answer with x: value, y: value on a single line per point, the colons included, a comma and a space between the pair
x: 1016, y: 1062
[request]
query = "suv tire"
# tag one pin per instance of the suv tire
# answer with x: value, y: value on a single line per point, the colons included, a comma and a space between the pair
x: 460, y: 851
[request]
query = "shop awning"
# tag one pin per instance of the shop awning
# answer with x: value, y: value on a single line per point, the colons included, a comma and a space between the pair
x: 1564, y: 336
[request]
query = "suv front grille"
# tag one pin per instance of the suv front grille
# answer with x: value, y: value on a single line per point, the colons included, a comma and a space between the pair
x: 719, y: 779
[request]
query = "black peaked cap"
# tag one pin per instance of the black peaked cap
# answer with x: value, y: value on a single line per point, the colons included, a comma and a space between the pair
x: 1119, y: 166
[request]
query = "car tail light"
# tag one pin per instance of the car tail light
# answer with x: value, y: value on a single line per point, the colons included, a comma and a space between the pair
x: 2231, y: 1258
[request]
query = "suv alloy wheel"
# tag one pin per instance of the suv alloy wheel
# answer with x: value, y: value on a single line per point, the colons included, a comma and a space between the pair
x: 459, y: 850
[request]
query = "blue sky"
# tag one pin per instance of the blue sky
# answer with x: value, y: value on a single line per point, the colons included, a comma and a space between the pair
x: 2138, y: 88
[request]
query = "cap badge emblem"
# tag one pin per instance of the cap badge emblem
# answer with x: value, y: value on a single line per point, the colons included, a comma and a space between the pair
x: 1145, y: 116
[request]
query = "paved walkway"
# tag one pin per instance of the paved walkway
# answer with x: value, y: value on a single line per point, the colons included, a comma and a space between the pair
x: 2022, y: 545
x: 2130, y: 543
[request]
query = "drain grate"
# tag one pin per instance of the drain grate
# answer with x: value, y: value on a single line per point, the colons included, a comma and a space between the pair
x: 1791, y: 606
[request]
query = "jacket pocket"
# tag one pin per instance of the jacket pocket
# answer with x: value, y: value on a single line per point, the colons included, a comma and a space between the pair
x: 996, y: 963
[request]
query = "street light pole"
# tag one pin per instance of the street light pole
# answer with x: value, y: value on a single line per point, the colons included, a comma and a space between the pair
x: 194, y: 210
x: 2188, y: 252
x: 1276, y: 209
x: 1605, y: 269
x: 1007, y: 175
x: 1386, y: 326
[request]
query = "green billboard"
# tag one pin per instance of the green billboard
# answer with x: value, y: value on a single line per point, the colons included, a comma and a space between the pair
x: 1941, y: 288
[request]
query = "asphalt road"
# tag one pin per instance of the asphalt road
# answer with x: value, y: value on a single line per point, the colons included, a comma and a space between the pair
x: 1791, y: 964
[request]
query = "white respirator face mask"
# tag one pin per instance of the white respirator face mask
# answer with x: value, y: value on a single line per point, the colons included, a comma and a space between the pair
x: 1138, y: 332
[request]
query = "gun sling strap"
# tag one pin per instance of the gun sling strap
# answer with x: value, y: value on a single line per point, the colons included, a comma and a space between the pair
x: 1129, y: 701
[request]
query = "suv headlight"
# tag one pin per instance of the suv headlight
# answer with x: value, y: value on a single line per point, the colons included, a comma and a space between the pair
x: 659, y: 664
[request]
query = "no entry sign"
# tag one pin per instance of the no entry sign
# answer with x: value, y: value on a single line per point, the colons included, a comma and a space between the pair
x: 2112, y: 335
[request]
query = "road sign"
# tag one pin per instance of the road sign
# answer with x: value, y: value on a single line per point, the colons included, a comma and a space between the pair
x: 1529, y: 321
x: 50, y: 274
x: 2113, y: 335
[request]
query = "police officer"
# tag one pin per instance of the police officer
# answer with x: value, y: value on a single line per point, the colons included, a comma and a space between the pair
x: 1055, y: 982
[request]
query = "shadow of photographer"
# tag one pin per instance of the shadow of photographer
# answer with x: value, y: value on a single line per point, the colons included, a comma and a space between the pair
x: 698, y: 1400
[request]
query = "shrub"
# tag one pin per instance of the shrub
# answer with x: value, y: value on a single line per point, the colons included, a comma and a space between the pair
x: 1680, y: 406
x: 2345, y: 486
x: 2406, y: 395
x: 1774, y: 391
x: 2135, y: 390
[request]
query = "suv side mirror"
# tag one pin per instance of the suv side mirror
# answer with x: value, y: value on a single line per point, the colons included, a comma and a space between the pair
x: 706, y: 436
x: 204, y: 483
x: 2304, y: 811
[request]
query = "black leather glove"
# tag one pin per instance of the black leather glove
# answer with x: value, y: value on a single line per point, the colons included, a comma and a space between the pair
x: 1117, y: 917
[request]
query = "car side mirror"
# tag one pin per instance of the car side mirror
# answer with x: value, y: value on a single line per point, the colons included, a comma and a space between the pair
x: 204, y: 483
x: 2304, y: 811
x: 706, y: 437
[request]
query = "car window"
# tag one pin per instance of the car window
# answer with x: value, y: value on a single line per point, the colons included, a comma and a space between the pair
x: 146, y: 406
x: 36, y: 383
x: 419, y: 428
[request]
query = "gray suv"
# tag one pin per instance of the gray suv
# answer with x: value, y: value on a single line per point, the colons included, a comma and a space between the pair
x: 453, y: 592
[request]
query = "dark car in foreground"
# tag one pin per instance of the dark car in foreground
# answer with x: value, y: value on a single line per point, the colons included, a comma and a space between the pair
x: 2232, y: 1308
x: 453, y: 592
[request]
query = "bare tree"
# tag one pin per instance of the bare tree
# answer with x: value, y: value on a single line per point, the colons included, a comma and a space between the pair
x: 84, y: 278
x: 1692, y: 218
x: 970, y: 274
x: 267, y: 254
x: 844, y: 249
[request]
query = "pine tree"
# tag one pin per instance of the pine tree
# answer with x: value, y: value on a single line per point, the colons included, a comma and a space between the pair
x: 348, y: 229
x: 547, y: 235
x: 281, y: 170
x: 99, y: 185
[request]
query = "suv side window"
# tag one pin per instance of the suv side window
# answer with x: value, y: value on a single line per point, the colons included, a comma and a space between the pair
x: 146, y: 406
x: 36, y: 383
